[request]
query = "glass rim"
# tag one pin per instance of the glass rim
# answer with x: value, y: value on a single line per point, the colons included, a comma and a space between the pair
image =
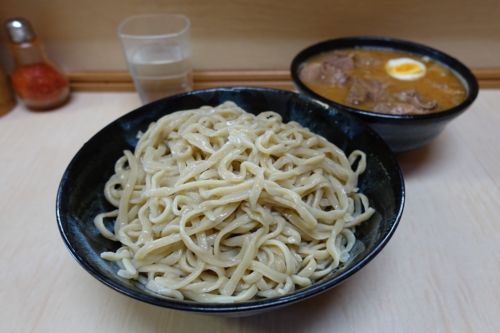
x: 156, y: 36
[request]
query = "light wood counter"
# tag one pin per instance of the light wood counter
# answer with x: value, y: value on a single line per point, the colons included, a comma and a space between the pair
x: 439, y: 273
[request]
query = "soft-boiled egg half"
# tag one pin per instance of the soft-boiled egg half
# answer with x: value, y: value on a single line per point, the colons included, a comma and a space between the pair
x: 405, y: 69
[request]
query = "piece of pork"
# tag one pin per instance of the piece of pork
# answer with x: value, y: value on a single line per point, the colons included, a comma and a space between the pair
x: 375, y: 89
x: 310, y: 73
x: 357, y: 92
x: 414, y: 98
x: 332, y: 75
x: 341, y: 60
x: 323, y: 73
x: 366, y: 90
x: 332, y: 71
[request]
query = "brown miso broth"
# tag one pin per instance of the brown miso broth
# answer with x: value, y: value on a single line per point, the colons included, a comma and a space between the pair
x: 358, y: 78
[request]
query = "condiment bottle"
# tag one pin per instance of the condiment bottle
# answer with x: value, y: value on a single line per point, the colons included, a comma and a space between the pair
x: 7, y: 99
x: 36, y: 80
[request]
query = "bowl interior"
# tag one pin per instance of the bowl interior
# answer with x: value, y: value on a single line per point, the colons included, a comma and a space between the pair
x: 80, y: 196
x: 464, y: 73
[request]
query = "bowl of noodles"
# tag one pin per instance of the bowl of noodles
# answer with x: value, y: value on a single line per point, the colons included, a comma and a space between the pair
x: 229, y: 201
x: 407, y: 92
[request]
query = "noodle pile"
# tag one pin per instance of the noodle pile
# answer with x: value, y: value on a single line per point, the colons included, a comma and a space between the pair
x: 218, y: 205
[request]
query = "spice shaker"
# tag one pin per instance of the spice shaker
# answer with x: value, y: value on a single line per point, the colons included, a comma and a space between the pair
x: 38, y: 82
x: 7, y: 99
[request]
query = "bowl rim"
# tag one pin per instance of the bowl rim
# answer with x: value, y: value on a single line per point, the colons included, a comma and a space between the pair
x: 247, y: 307
x: 462, y: 71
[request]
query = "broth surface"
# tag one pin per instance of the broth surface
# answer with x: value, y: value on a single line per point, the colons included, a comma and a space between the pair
x: 359, y: 78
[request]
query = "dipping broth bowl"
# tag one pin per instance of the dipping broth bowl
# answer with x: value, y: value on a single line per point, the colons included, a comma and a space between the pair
x: 401, y: 132
x: 80, y: 196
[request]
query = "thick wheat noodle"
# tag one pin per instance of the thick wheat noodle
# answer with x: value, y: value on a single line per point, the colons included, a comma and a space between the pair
x: 219, y: 205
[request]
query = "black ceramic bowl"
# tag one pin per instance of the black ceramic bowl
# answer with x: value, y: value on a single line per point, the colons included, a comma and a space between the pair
x: 401, y: 132
x: 80, y: 196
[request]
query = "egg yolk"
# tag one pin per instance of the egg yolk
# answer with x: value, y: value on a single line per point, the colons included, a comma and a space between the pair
x: 406, y: 69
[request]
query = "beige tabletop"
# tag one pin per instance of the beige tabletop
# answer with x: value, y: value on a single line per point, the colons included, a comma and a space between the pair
x: 439, y: 273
